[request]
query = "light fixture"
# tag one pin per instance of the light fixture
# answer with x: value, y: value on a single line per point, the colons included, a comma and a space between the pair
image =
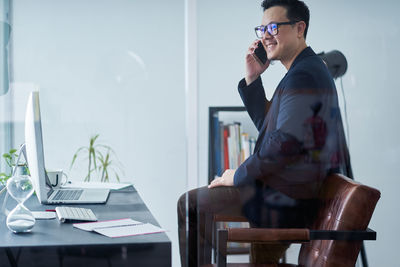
x: 335, y: 61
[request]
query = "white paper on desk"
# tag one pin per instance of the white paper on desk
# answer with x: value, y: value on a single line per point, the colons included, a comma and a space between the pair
x: 105, y: 224
x: 129, y: 230
x: 96, y: 185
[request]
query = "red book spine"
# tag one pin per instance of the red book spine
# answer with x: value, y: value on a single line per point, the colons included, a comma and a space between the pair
x: 226, y: 152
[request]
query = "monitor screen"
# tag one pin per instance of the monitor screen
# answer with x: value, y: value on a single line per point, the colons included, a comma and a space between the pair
x: 34, y: 148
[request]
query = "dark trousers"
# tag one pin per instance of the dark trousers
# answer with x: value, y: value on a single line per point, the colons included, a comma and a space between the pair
x: 194, y: 231
x: 196, y: 207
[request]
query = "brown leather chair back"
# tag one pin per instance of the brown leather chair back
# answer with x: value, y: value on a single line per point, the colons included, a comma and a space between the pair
x: 345, y: 205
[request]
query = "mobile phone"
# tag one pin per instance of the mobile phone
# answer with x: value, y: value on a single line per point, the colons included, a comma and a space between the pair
x: 260, y: 54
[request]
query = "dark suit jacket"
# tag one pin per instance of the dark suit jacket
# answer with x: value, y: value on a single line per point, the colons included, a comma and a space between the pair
x: 301, y: 135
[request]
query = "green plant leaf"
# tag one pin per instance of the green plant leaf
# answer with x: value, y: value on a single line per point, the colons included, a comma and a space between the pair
x: 94, y: 157
x: 73, y: 161
x: 95, y: 137
x: 76, y: 155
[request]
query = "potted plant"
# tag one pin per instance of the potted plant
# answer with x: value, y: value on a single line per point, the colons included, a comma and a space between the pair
x: 102, y: 160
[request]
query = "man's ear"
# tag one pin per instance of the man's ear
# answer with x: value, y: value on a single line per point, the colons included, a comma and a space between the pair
x: 301, y: 27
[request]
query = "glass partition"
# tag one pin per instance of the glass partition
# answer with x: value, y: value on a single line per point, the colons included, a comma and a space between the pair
x: 110, y: 73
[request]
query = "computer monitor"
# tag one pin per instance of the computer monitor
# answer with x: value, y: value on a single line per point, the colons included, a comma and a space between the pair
x: 34, y: 148
x: 35, y: 157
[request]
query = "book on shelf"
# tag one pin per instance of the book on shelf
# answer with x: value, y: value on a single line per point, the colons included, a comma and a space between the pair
x: 232, y: 145
x: 217, y: 145
x: 225, y: 155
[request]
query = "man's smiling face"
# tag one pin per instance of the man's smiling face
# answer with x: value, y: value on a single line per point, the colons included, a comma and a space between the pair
x: 282, y: 45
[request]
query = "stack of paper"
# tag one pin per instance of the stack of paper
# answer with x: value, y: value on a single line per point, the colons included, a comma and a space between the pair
x: 119, y: 228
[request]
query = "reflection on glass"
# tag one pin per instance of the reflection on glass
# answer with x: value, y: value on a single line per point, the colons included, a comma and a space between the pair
x: 5, y: 30
x: 300, y: 142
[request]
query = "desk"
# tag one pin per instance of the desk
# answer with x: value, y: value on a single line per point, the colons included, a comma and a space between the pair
x: 52, y: 243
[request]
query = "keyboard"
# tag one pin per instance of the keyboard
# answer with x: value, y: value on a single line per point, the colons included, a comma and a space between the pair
x: 75, y: 214
x: 68, y: 194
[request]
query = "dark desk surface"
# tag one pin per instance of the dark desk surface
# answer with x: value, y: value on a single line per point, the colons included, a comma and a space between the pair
x: 125, y: 203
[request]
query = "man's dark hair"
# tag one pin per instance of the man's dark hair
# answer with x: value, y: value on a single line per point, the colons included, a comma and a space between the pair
x: 296, y: 10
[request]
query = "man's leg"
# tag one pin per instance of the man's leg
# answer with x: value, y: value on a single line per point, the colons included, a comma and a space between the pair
x: 194, y: 206
x: 300, y: 215
x: 268, y: 253
x: 262, y: 253
x: 228, y: 201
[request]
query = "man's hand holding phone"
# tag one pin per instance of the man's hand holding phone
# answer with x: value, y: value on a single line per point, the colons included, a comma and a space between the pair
x: 256, y: 61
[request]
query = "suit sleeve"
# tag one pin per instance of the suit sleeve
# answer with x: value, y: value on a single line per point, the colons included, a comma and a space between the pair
x: 285, y: 144
x: 253, y: 97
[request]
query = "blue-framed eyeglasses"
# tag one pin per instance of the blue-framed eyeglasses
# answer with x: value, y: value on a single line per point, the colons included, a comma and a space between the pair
x: 271, y: 28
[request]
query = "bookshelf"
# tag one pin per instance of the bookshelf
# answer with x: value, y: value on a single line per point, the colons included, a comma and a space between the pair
x: 228, y: 115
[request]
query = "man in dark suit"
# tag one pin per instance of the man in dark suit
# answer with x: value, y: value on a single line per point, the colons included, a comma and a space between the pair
x: 301, y: 139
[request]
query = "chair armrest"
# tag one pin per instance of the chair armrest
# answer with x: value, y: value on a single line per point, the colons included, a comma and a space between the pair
x: 300, y: 235
x: 355, y: 235
x: 268, y: 235
x: 294, y: 234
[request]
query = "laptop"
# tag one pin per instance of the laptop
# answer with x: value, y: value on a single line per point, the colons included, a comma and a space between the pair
x: 74, y: 196
x: 35, y: 157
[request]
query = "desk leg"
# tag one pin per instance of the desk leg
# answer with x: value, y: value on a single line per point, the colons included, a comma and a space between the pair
x: 11, y: 258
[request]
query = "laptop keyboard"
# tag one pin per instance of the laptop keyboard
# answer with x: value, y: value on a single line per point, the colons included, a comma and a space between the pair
x: 68, y: 194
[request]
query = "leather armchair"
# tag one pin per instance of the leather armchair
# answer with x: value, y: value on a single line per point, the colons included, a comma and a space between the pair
x: 336, y: 236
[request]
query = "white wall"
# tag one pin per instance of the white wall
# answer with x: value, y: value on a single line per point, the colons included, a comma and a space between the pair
x: 113, y: 67
x: 368, y: 33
